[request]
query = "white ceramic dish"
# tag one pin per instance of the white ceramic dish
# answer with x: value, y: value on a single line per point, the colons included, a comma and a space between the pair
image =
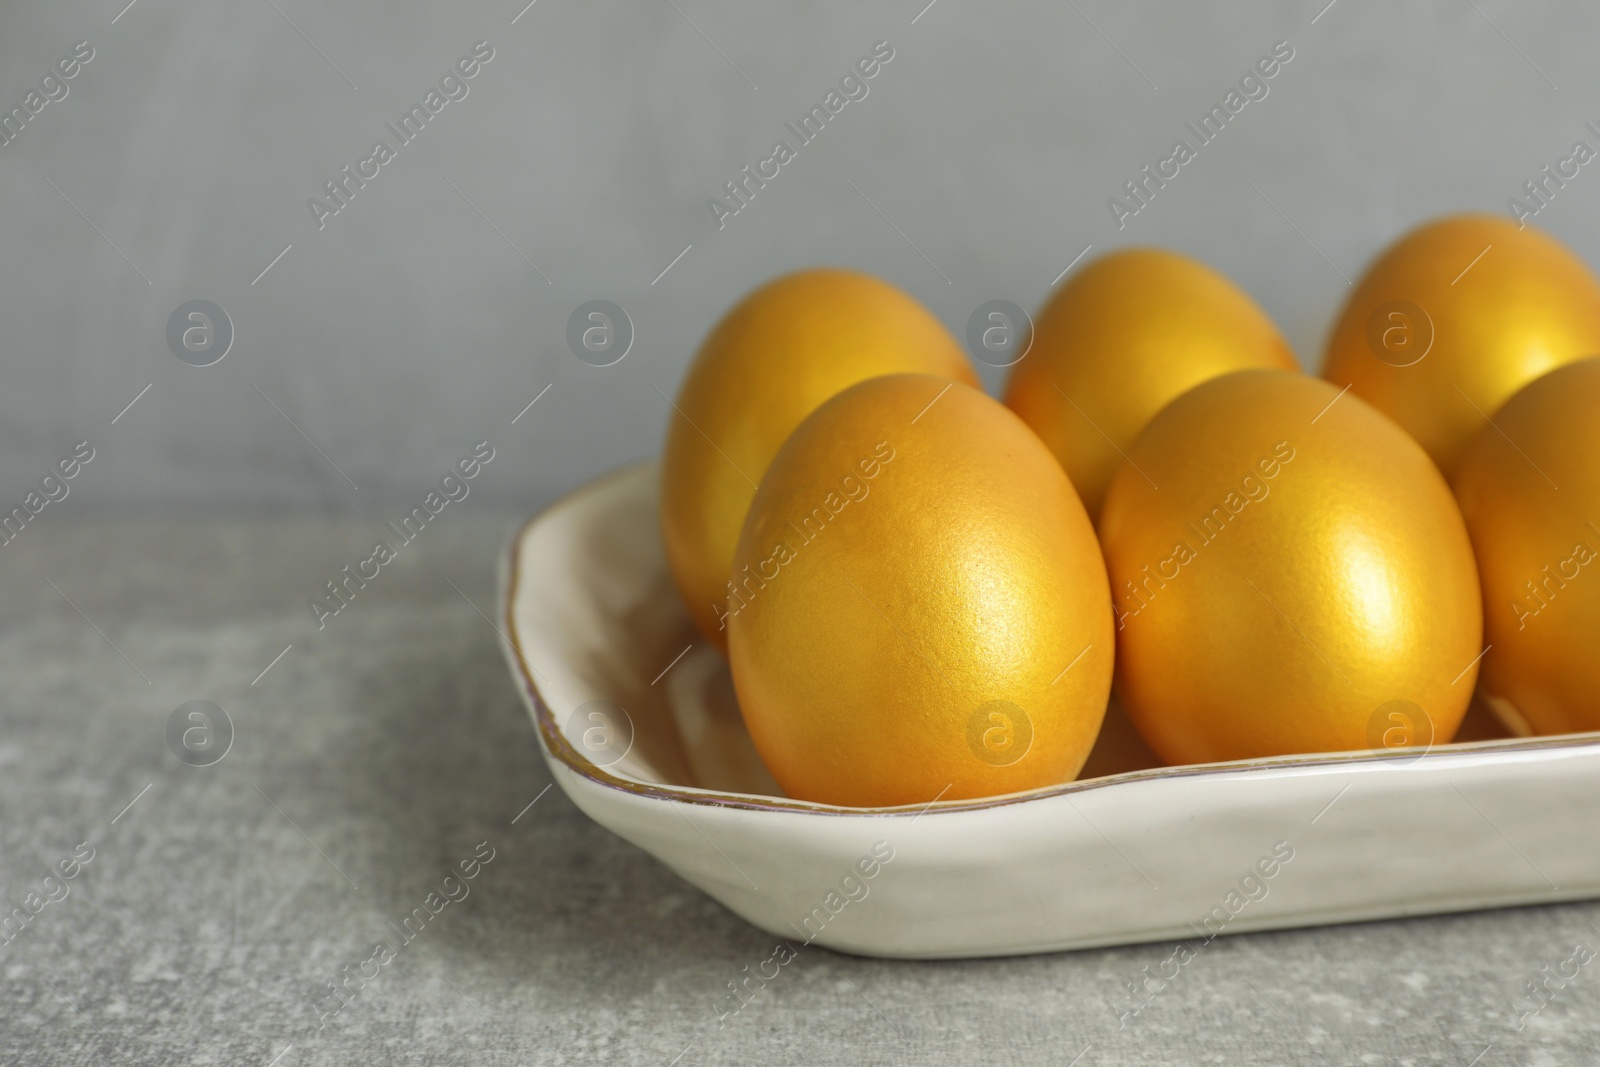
x: 1130, y: 852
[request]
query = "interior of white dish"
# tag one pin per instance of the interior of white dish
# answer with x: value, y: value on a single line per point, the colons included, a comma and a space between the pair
x: 608, y: 626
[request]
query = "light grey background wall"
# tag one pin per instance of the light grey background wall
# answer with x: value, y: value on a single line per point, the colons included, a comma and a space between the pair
x: 431, y: 309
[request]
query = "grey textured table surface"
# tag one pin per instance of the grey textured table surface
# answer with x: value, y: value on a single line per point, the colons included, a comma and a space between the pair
x: 376, y: 754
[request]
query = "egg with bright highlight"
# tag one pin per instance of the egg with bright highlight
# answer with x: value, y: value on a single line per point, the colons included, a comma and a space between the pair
x: 1454, y: 318
x: 1288, y: 569
x: 920, y: 610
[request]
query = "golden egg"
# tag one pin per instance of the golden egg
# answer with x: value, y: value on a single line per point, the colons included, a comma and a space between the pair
x: 781, y: 351
x: 1113, y: 346
x: 1454, y: 318
x: 1289, y: 573
x: 1529, y: 488
x: 920, y: 607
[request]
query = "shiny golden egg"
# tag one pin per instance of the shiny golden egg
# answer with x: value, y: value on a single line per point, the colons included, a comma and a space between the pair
x: 1113, y: 346
x: 1529, y: 488
x: 1454, y: 318
x: 920, y: 608
x: 781, y: 351
x: 1288, y: 569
